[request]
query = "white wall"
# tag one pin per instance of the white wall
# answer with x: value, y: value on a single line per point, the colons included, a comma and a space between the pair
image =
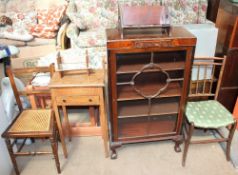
x: 5, y: 162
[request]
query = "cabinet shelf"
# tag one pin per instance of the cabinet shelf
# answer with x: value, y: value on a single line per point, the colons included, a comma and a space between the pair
x: 140, y: 127
x: 127, y: 92
x: 166, y: 106
x: 135, y: 67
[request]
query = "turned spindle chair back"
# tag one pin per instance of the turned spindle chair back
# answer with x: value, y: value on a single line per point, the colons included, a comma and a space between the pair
x: 203, y: 111
x: 205, y: 81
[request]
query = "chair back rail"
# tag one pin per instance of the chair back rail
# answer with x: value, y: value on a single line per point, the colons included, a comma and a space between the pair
x: 26, y: 71
x: 207, y: 80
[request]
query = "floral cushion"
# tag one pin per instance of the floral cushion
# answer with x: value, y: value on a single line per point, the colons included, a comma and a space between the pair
x: 43, y: 33
x: 71, y: 12
x: 18, y: 6
x: 21, y: 22
x: 48, y: 22
x: 208, y: 114
x: 3, y: 4
x: 202, y: 11
x: 183, y: 11
x: 137, y: 2
x: 97, y: 56
x: 92, y: 38
x: 94, y: 14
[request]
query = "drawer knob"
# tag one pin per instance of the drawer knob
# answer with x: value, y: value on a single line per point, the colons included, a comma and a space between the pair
x: 64, y: 100
x: 90, y: 100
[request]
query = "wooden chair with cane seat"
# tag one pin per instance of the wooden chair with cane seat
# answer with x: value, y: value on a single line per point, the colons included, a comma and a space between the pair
x: 203, y: 111
x: 30, y: 123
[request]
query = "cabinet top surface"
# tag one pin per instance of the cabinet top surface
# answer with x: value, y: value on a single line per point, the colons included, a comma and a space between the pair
x: 114, y: 35
x: 94, y: 79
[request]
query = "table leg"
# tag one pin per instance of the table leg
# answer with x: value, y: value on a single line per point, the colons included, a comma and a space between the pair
x: 42, y: 101
x: 66, y: 118
x: 103, y: 122
x: 32, y: 100
x: 58, y: 122
x: 92, y: 115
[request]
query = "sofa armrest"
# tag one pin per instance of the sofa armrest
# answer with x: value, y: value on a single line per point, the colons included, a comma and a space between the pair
x: 72, y: 33
x: 61, y: 39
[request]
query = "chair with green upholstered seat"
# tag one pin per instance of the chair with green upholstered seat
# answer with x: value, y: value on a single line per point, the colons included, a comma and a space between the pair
x: 203, y: 111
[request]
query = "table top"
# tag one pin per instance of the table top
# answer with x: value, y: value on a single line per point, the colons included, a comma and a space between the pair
x: 175, y: 33
x: 150, y: 37
x: 94, y: 79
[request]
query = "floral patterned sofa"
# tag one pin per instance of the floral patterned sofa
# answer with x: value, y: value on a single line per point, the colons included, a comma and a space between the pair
x: 90, y: 18
x: 34, y: 22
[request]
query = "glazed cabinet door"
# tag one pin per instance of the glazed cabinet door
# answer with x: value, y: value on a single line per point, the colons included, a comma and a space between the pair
x: 146, y: 89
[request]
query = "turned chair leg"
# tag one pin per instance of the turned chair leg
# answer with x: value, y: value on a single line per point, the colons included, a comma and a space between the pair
x: 187, y: 142
x: 54, y: 146
x: 12, y: 156
x: 228, y: 146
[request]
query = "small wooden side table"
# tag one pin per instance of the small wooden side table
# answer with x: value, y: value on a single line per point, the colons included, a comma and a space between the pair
x: 79, y: 90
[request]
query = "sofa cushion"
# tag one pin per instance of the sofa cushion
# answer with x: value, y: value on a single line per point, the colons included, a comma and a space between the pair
x: 44, y: 34
x: 41, y: 41
x: 33, y: 42
x: 20, y: 6
x: 187, y: 11
x: 19, y: 29
x: 183, y: 11
x: 137, y: 2
x: 202, y: 11
x: 94, y: 14
x: 97, y: 57
x: 18, y: 35
x: 46, y: 4
x: 12, y: 42
x: 22, y: 20
x: 48, y: 22
x: 92, y: 38
x: 90, y: 13
x: 3, y: 4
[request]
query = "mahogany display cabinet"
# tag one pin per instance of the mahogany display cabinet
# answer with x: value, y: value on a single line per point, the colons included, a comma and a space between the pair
x: 148, y: 80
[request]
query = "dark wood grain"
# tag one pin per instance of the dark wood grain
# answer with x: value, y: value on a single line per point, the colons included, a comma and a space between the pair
x: 131, y: 128
x: 229, y: 81
x: 140, y: 107
x: 212, y: 9
x: 130, y: 120
x: 127, y: 92
x: 226, y: 17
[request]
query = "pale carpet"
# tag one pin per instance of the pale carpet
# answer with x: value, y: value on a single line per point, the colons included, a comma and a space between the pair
x: 86, y: 157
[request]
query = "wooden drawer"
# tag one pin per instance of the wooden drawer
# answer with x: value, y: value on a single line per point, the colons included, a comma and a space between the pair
x: 77, y: 100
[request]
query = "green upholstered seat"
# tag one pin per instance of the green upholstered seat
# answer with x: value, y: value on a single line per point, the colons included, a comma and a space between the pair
x: 208, y: 114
